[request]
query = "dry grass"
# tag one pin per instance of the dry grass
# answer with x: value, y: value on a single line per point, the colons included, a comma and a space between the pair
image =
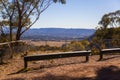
x: 64, y: 69
x: 50, y: 43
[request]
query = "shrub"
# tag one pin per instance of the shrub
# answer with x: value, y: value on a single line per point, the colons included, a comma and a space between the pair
x: 76, y: 45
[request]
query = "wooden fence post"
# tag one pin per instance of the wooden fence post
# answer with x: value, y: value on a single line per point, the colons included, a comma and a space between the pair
x: 25, y: 63
x: 87, y: 58
x: 101, y: 56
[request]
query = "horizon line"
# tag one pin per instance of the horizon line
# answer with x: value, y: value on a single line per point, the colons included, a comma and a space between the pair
x: 58, y: 28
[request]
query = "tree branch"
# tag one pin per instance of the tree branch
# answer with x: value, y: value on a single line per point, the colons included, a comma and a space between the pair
x: 5, y: 7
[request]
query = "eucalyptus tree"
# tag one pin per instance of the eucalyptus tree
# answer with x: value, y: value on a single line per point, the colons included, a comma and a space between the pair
x: 111, y: 20
x: 22, y: 14
x: 109, y: 26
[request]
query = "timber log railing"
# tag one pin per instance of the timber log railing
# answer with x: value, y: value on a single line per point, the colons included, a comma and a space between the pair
x: 68, y: 54
x: 107, y: 51
x: 56, y: 56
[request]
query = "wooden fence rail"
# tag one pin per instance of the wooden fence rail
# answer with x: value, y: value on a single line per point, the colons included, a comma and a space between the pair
x: 54, y: 56
x: 67, y: 54
x: 7, y: 43
x: 107, y: 51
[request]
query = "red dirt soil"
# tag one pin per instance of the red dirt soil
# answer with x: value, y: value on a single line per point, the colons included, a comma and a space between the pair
x: 64, y: 69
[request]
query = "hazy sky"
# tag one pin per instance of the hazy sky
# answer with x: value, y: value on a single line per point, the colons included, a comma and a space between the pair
x: 76, y: 14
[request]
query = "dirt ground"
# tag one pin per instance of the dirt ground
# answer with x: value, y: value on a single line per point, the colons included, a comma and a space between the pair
x: 63, y: 69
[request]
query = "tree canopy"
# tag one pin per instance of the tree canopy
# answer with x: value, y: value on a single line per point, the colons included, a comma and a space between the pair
x: 110, y: 20
x: 22, y: 14
x: 109, y: 28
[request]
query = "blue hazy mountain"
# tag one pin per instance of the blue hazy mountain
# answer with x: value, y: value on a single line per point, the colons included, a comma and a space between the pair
x: 57, y: 34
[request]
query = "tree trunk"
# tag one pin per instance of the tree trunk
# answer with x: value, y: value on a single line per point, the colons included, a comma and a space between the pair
x: 18, y: 34
x: 10, y: 29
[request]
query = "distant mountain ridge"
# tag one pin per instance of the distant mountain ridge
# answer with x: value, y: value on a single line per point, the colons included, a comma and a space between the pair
x: 57, y: 34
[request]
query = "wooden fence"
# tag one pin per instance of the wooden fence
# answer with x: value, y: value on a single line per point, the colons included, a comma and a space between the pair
x: 67, y: 54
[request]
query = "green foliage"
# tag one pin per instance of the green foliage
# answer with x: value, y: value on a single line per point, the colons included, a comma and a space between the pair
x: 76, y: 45
x: 5, y: 38
x: 111, y: 19
x: 109, y: 29
x: 109, y: 33
x: 95, y: 50
x: 61, y: 1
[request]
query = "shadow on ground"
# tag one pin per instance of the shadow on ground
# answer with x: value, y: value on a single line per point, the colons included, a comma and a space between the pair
x: 105, y: 59
x: 24, y: 70
x: 105, y: 73
x: 108, y: 73
x: 52, y: 77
